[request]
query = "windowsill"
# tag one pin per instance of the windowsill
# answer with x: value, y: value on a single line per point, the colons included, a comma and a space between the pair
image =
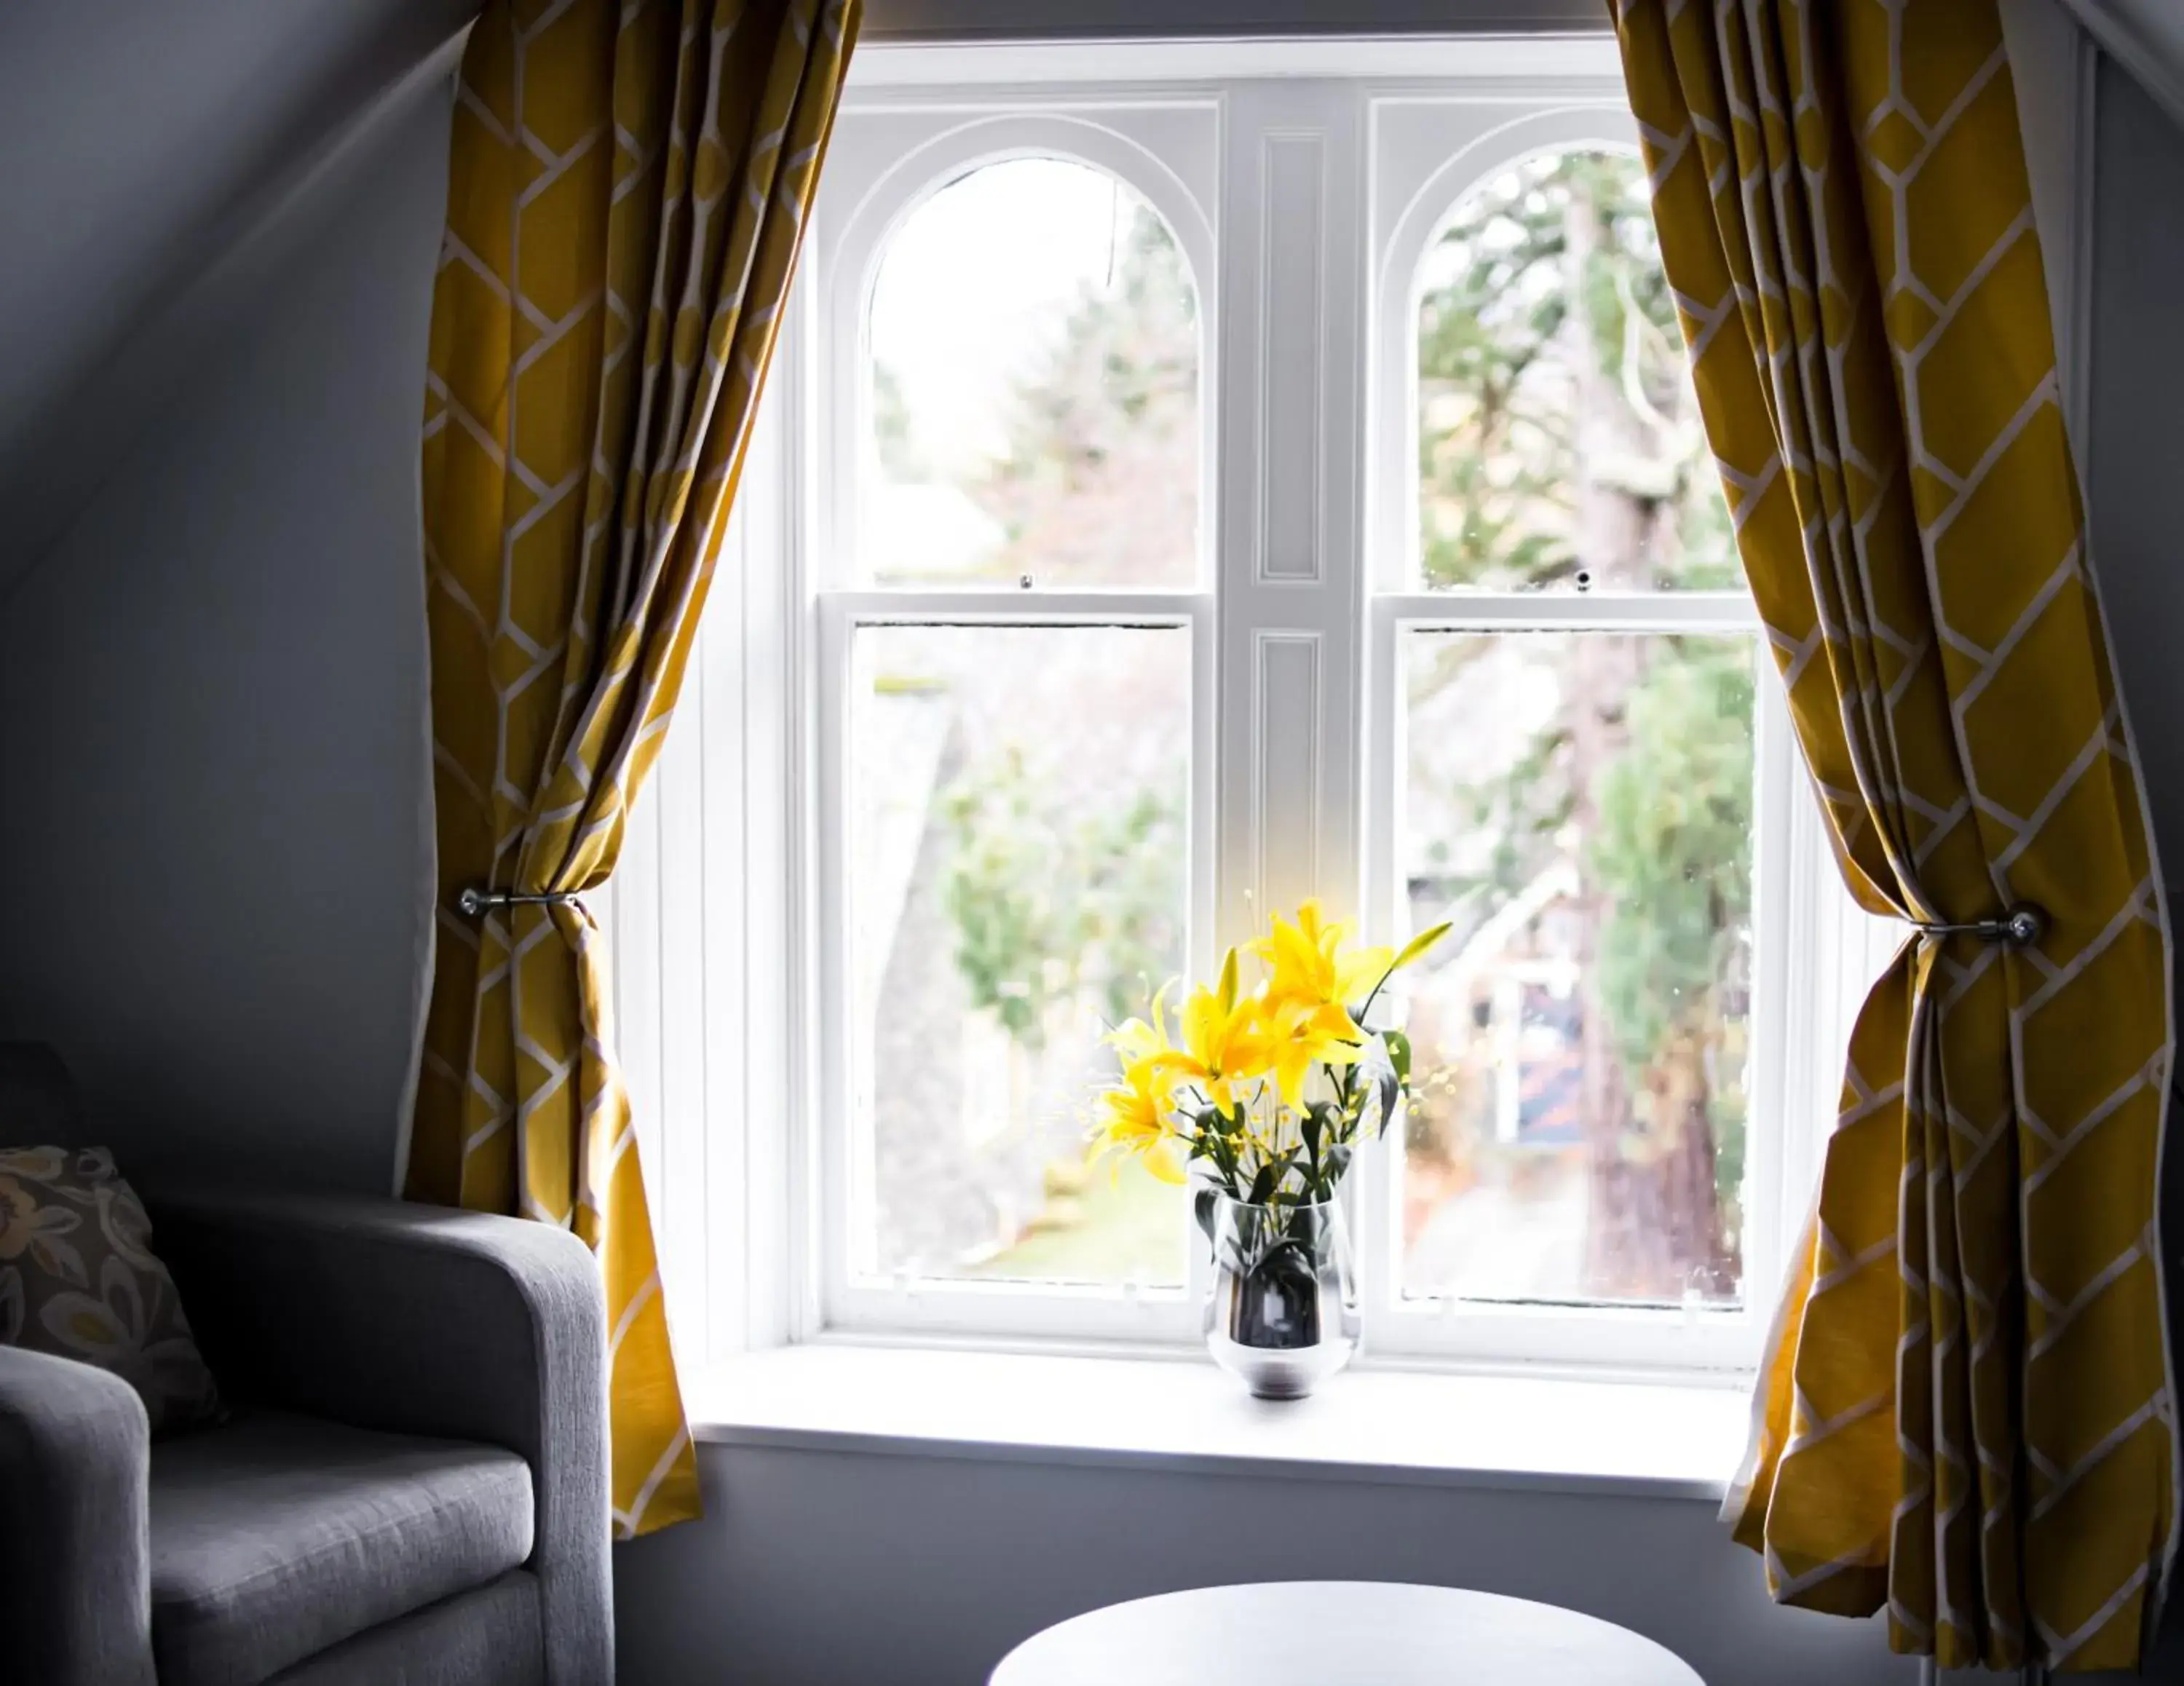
x: 1525, y: 1433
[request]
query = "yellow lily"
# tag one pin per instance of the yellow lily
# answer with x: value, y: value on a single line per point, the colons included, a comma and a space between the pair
x: 1134, y: 1118
x: 1302, y: 1037
x: 1144, y: 1038
x: 1223, y: 1044
x: 1312, y: 967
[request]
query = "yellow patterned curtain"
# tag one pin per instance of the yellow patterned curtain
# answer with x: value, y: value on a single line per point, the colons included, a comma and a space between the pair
x: 627, y: 194
x: 1964, y: 1412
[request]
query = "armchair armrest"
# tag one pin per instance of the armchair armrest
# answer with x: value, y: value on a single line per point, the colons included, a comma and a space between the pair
x: 421, y: 1320
x: 76, y: 1576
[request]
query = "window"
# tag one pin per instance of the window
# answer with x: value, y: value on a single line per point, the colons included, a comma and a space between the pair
x: 1570, y: 766
x: 1015, y: 644
x: 1221, y: 475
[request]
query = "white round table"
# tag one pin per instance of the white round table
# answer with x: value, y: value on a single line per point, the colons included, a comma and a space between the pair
x: 1338, y: 1633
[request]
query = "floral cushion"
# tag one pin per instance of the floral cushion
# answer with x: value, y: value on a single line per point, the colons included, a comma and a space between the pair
x: 78, y: 1280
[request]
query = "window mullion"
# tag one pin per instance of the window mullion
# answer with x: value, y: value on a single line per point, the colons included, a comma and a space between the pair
x: 1291, y: 407
x: 1293, y: 451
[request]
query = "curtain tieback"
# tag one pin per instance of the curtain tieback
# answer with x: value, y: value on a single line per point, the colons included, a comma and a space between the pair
x: 2020, y: 928
x: 474, y: 902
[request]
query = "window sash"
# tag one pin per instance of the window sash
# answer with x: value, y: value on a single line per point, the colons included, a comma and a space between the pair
x: 962, y: 1308
x: 1786, y: 847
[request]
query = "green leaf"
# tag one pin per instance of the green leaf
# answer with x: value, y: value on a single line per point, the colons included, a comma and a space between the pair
x: 1263, y: 1185
x: 1399, y: 1054
x: 1204, y: 1204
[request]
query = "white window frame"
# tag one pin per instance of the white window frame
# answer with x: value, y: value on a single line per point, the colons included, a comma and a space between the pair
x: 1271, y: 164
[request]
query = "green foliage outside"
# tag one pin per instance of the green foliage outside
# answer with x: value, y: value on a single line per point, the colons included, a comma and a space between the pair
x: 1670, y: 851
x: 1499, y: 444
x: 1052, y: 906
x: 1670, y: 847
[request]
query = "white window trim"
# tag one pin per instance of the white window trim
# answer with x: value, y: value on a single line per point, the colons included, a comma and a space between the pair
x: 1533, y: 1434
x: 766, y: 1157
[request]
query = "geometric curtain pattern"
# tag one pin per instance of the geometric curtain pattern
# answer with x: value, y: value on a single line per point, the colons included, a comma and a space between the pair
x: 628, y: 187
x: 1965, y: 1416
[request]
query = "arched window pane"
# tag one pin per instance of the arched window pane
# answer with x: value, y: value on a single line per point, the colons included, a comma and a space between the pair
x: 1559, y: 442
x: 1032, y: 398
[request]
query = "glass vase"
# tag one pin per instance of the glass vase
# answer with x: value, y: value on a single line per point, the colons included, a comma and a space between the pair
x: 1282, y: 1314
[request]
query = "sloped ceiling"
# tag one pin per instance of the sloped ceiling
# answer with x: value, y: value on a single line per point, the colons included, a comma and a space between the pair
x: 144, y: 149
x: 2146, y: 37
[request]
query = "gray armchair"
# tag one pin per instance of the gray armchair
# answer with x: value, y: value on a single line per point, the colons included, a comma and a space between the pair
x: 412, y: 1487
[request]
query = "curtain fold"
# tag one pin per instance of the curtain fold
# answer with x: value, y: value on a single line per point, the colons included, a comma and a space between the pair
x: 627, y: 190
x: 1964, y: 1415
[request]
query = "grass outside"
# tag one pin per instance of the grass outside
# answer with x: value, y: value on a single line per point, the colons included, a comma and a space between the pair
x: 1124, y: 1226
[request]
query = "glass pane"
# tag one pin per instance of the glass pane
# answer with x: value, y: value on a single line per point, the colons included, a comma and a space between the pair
x: 1033, y: 388
x: 1017, y: 881
x: 1580, y: 804
x: 1559, y: 445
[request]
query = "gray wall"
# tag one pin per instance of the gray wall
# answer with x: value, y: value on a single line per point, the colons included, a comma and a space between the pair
x: 143, y: 150
x: 813, y: 1569
x: 2134, y: 454
x: 213, y: 879
x: 819, y: 1569
x: 2148, y: 35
